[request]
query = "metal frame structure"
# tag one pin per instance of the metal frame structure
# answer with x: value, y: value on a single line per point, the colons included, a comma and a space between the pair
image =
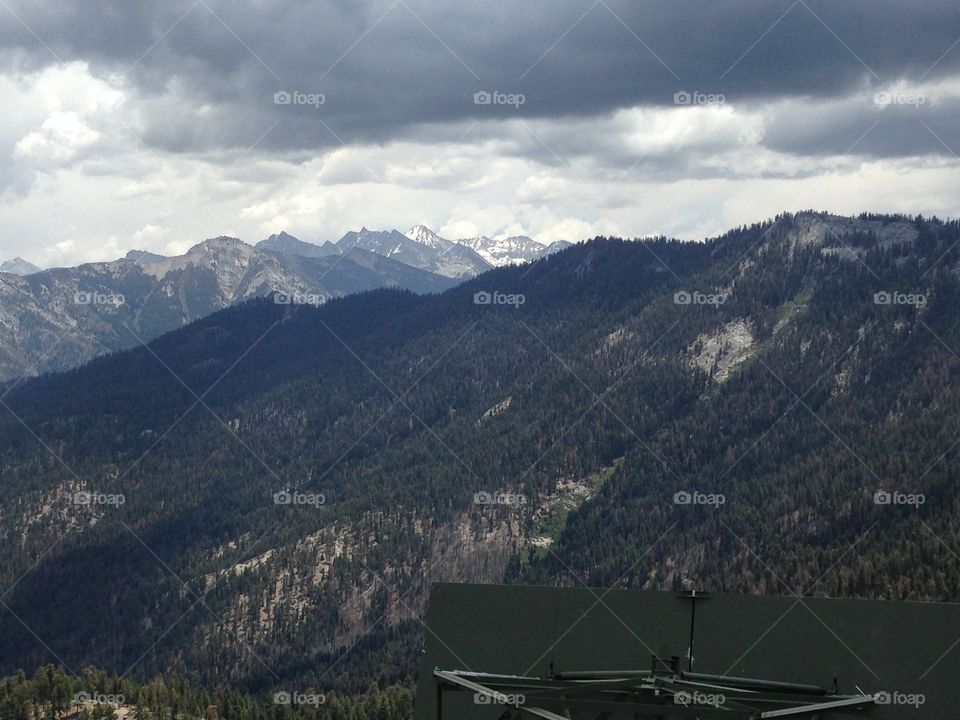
x: 659, y: 693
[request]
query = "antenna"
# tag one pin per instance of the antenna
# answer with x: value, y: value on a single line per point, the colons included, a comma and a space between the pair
x: 692, y: 596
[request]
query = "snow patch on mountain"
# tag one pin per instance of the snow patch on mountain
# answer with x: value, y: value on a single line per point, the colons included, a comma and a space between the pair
x: 425, y: 236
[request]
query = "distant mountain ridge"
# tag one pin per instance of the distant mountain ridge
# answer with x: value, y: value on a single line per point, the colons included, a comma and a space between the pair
x: 511, y: 250
x: 56, y: 319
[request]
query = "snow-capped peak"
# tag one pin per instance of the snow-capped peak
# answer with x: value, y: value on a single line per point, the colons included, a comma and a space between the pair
x: 507, y: 250
x: 425, y: 236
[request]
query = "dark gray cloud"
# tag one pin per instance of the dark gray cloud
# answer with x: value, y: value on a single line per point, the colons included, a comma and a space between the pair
x: 206, y: 71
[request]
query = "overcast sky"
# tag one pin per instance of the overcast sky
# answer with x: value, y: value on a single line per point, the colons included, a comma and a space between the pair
x: 152, y: 124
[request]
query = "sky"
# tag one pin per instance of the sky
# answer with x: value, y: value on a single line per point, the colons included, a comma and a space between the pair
x: 154, y: 124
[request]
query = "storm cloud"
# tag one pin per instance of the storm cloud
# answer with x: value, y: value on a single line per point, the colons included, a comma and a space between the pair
x: 273, y: 111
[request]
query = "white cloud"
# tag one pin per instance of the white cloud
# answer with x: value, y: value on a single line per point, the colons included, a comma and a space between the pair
x: 59, y: 138
x: 93, y: 190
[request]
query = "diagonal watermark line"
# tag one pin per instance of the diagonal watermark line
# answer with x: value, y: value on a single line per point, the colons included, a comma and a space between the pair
x: 199, y: 399
x: 821, y: 421
x: 38, y: 639
x: 200, y: 599
x: 31, y: 31
x: 415, y: 614
x: 950, y: 550
x: 40, y: 440
x: 757, y: 41
x: 596, y: 401
x: 402, y: 402
x: 265, y: 534
x: 35, y: 365
x: 598, y: 199
x: 796, y: 402
x: 159, y: 39
x: 939, y: 139
x: 604, y: 402
x: 639, y: 39
x: 439, y: 39
x: 557, y: 41
x: 239, y: 39
x: 839, y: 39
x: 380, y: 619
x: 598, y: 600
x: 37, y: 562
x: 159, y: 639
x: 396, y: 402
x: 937, y: 62
x: 358, y: 40
x: 208, y: 209
x: 607, y: 607
x: 799, y: 596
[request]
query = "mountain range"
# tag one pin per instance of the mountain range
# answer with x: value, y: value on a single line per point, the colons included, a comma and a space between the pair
x: 263, y: 496
x: 56, y: 319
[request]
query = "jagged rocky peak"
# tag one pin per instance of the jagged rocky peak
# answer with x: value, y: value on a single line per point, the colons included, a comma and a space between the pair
x: 425, y: 236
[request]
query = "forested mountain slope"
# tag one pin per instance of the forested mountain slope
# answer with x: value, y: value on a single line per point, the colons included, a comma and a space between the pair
x: 648, y: 414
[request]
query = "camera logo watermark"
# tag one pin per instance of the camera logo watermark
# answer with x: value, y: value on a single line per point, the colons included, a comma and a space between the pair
x: 687, y: 698
x: 295, y: 97
x: 895, y: 297
x: 85, y: 497
x: 499, y: 698
x: 694, y: 297
x: 499, y: 498
x: 298, y: 698
x: 695, y: 97
x: 97, y: 698
x: 896, y: 697
x: 98, y: 298
x: 895, y: 497
x: 283, y: 298
x: 698, y: 498
x: 495, y: 97
x: 292, y: 497
x: 484, y: 297
x: 885, y: 99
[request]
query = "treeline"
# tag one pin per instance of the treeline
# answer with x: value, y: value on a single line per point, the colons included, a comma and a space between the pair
x: 54, y: 694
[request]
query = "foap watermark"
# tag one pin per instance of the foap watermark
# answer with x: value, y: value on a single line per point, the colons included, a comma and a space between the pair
x: 885, y: 99
x: 297, y: 298
x: 688, y: 698
x: 484, y: 297
x: 895, y: 497
x: 694, y: 297
x: 499, y: 698
x: 98, y: 698
x: 296, y: 97
x: 83, y: 297
x: 299, y: 698
x: 292, y: 497
x: 499, y: 498
x: 695, y: 497
x: 86, y: 497
x: 695, y: 97
x: 896, y: 697
x: 895, y: 297
x: 495, y: 97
